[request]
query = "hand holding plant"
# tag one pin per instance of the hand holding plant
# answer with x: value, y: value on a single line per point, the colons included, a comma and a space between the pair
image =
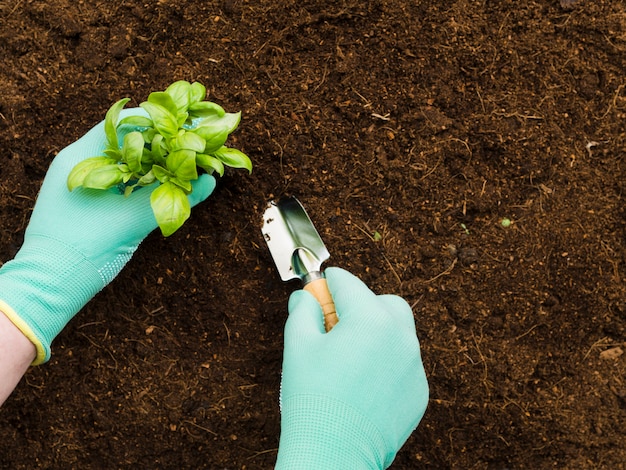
x: 181, y: 135
x: 75, y: 244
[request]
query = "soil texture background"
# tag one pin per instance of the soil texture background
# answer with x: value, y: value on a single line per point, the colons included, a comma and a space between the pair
x: 410, y: 130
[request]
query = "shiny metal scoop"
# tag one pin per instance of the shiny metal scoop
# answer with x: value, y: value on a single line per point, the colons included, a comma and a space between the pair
x: 298, y: 251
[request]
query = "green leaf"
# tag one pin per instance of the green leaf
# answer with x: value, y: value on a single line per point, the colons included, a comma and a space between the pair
x: 185, y: 185
x: 147, y: 179
x: 210, y: 164
x: 148, y: 134
x: 188, y: 141
x: 216, y: 131
x: 164, y: 121
x: 164, y: 99
x: 204, y: 109
x: 147, y: 160
x: 182, y: 119
x: 162, y: 174
x: 227, y: 122
x: 157, y: 149
x: 213, y: 141
x: 132, y: 151
x: 182, y: 163
x: 176, y: 105
x: 170, y: 206
x: 180, y: 92
x: 83, y: 168
x: 197, y: 92
x: 136, y: 121
x: 110, y: 122
x: 113, y: 154
x: 105, y: 177
x: 234, y: 158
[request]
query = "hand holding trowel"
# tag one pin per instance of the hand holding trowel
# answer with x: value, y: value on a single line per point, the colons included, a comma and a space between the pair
x: 298, y: 251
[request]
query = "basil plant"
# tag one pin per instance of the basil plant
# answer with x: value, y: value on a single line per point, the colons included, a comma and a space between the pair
x: 181, y: 135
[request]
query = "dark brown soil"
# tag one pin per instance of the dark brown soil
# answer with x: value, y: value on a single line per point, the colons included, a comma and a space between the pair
x: 409, y: 129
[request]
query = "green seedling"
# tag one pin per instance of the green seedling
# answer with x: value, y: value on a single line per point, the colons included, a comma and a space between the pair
x: 181, y: 136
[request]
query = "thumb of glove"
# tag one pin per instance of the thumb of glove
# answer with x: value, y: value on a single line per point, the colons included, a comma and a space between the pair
x: 305, y: 318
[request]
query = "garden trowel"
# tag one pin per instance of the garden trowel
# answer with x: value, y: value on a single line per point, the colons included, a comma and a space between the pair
x: 298, y: 251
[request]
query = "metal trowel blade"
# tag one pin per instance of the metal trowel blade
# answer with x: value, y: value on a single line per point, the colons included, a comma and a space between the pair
x: 294, y: 244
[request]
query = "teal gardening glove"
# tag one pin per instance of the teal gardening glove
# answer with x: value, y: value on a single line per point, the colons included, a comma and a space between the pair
x: 75, y: 244
x: 350, y: 398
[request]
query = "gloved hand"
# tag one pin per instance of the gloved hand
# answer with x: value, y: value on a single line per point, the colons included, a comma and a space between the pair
x: 351, y: 397
x: 75, y: 244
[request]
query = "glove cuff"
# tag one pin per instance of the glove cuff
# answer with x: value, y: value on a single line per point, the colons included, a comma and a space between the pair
x: 317, y: 432
x: 45, y: 285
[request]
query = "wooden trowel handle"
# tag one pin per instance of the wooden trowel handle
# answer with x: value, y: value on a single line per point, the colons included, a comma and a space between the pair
x: 319, y: 289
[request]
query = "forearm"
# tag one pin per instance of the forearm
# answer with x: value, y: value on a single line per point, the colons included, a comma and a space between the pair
x: 16, y: 355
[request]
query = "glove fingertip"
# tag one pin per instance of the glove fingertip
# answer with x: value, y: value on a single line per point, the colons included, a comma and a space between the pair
x: 399, y: 309
x: 340, y: 279
x: 396, y: 303
x: 349, y: 292
x: 202, y: 189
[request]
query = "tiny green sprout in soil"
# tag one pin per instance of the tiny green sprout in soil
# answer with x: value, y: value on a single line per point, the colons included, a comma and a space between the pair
x: 177, y: 137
